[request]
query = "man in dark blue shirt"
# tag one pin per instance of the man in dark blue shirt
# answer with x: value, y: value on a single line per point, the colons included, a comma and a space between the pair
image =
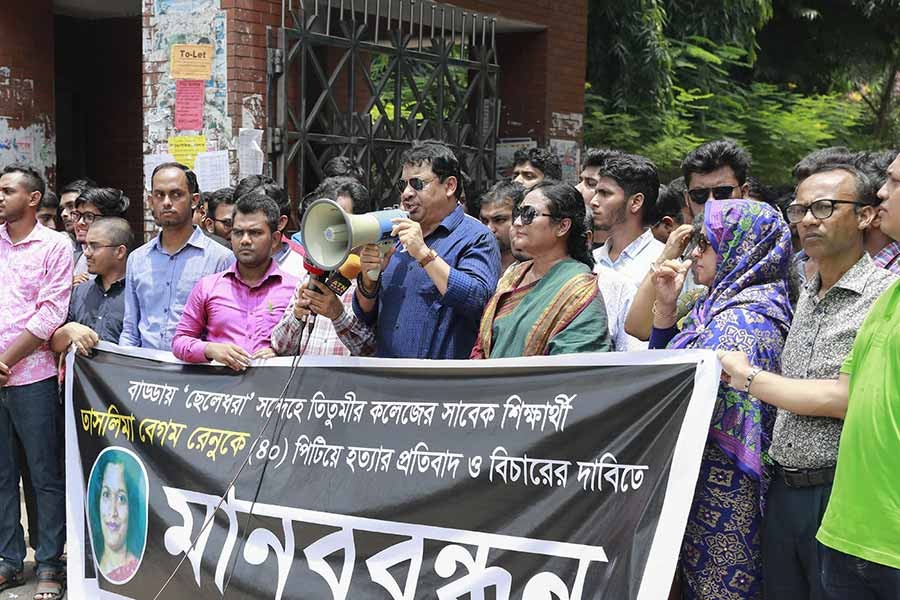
x: 98, y: 306
x: 434, y: 284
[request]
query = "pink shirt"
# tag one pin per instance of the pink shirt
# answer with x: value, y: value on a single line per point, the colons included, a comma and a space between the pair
x: 223, y: 308
x: 35, y: 287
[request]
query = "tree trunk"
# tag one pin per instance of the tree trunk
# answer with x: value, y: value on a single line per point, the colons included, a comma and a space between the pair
x: 882, y: 125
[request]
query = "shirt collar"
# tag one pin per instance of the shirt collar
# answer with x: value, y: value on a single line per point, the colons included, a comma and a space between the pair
x: 635, y: 247
x: 273, y: 272
x: 197, y: 240
x: 853, y: 280
x: 39, y: 232
x: 454, y: 219
x: 119, y: 283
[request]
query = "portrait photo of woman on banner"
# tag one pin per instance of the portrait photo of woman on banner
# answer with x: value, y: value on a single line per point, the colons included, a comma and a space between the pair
x: 117, y: 513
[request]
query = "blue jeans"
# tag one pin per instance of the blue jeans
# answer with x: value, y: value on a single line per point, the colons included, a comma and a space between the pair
x: 31, y: 413
x: 847, y: 577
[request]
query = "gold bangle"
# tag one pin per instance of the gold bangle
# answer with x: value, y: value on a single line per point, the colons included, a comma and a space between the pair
x: 663, y: 315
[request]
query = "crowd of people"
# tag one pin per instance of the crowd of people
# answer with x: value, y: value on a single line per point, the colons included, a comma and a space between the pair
x: 795, y: 291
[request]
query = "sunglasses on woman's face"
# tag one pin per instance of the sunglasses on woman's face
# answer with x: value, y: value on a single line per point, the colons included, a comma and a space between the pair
x: 527, y: 214
x: 697, y: 240
x: 701, y: 195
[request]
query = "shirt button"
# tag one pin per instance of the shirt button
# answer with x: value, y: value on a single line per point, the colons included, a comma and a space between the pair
x: 165, y: 310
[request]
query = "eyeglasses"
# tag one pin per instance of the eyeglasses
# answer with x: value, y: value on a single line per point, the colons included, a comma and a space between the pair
x: 91, y: 248
x: 88, y: 217
x: 416, y: 183
x: 821, y: 209
x: 527, y: 214
x: 697, y: 240
x: 228, y: 223
x: 701, y: 195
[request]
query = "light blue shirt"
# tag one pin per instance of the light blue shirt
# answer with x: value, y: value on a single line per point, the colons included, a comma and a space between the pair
x: 635, y: 259
x: 157, y: 285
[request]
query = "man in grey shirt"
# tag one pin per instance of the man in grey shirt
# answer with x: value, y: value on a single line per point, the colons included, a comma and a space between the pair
x: 833, y: 206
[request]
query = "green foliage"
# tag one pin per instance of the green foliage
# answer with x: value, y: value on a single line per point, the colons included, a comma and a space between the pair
x: 667, y: 75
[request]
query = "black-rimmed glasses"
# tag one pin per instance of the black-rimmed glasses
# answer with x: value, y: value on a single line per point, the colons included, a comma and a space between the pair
x: 820, y: 209
x: 88, y: 217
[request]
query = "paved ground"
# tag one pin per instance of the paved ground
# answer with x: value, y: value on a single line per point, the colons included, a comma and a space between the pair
x: 24, y: 592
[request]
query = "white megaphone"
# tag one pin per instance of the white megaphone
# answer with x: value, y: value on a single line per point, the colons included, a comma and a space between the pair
x: 329, y: 233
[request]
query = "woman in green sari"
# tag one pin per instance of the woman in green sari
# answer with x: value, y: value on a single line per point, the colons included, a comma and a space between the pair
x: 549, y: 304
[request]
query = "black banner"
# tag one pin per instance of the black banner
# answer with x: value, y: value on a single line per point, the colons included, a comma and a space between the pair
x: 542, y: 478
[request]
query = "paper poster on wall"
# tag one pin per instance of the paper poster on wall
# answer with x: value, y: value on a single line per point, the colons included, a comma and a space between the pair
x: 250, y: 154
x: 570, y: 156
x: 506, y: 149
x: 185, y: 148
x: 191, y: 61
x: 151, y: 161
x: 189, y: 98
x: 212, y: 170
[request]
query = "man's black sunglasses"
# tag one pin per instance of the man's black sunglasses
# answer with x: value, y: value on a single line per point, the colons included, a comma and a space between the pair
x: 701, y: 195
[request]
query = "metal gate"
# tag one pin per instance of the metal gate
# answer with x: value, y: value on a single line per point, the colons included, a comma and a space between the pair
x: 365, y: 78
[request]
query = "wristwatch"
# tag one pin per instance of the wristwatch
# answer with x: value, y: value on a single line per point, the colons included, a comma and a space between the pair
x: 431, y: 256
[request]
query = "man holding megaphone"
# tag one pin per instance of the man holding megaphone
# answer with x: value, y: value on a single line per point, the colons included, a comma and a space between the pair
x: 425, y: 296
x: 327, y: 304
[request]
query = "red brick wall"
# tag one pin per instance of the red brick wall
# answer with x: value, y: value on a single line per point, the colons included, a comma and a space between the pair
x: 26, y: 80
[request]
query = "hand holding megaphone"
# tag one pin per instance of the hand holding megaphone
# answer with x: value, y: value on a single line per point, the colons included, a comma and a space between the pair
x: 374, y: 258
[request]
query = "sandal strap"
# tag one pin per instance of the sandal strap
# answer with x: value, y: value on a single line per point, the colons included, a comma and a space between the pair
x: 9, y: 572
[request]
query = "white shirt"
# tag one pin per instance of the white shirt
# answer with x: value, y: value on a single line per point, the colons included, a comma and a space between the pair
x: 618, y: 292
x: 635, y: 260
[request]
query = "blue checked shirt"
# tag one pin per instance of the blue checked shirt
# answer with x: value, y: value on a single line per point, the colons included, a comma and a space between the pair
x: 412, y: 319
x: 157, y: 285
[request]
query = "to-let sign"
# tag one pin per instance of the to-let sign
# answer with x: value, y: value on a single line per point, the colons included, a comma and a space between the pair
x: 191, y: 61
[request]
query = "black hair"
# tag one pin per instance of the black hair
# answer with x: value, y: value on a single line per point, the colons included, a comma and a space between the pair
x: 671, y: 201
x: 597, y: 156
x: 193, y: 186
x: 439, y: 157
x: 77, y: 186
x: 109, y: 201
x: 763, y: 193
x: 866, y: 191
x: 564, y: 201
x: 716, y: 154
x: 119, y: 230
x: 540, y: 158
x: 31, y: 179
x: 875, y: 165
x: 812, y: 162
x: 258, y: 202
x: 214, y: 199
x: 343, y: 166
x: 635, y: 174
x: 333, y: 187
x: 505, y: 191
x: 267, y: 186
x: 49, y: 201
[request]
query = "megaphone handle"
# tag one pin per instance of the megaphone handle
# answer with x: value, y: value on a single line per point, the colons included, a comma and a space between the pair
x: 374, y: 273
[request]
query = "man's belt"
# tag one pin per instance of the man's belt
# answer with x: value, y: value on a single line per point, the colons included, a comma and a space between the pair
x: 801, y: 478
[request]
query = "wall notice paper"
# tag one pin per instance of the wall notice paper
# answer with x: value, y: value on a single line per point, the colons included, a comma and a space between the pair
x: 212, y: 170
x: 189, y: 98
x: 250, y: 154
x: 506, y: 149
x: 569, y: 157
x: 186, y: 147
x: 191, y: 61
x: 151, y: 161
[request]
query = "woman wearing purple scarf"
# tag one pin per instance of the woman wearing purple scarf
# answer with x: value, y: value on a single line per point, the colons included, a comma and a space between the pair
x: 741, y: 253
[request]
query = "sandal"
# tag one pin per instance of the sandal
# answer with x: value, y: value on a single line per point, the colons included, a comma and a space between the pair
x: 51, y: 584
x: 10, y: 577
